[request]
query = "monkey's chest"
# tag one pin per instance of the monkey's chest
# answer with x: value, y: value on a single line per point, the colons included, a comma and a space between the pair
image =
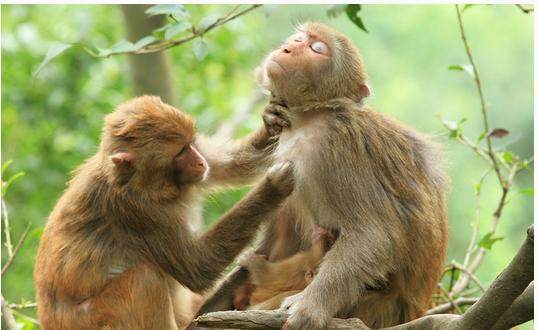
x: 301, y: 147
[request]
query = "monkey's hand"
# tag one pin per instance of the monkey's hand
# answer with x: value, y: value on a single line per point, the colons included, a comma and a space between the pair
x: 252, y: 261
x: 275, y: 119
x: 280, y: 176
x: 303, y: 315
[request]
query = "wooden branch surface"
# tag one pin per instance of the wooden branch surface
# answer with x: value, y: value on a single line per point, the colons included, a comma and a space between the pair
x: 262, y: 320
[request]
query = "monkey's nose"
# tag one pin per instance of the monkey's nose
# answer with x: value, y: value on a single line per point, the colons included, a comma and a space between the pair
x: 286, y: 50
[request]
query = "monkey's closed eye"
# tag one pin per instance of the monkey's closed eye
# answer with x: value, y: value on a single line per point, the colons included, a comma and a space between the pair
x: 319, y: 47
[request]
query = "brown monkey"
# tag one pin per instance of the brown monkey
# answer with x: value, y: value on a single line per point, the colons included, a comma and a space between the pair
x: 118, y: 244
x: 377, y: 182
x: 271, y: 282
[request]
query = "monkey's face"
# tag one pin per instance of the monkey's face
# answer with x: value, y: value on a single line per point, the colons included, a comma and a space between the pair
x: 155, y: 141
x: 316, y: 64
x: 190, y: 166
x: 299, y: 63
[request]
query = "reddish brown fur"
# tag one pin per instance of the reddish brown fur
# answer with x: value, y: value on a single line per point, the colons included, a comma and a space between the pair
x: 118, y: 244
x: 274, y: 281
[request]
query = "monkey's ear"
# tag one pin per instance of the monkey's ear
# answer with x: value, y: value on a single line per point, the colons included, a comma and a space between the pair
x: 122, y: 159
x: 364, y: 91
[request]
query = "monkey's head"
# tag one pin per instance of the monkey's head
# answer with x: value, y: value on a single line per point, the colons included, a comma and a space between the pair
x: 149, y: 139
x: 316, y: 63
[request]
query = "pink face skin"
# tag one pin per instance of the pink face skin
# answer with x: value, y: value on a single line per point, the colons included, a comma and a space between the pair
x: 302, y: 52
x: 191, y: 165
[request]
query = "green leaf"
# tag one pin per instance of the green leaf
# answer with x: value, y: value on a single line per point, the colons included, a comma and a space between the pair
x: 455, y: 129
x: 481, y: 137
x: 159, y: 33
x: 144, y: 42
x: 477, y: 187
x: 207, y: 22
x: 165, y: 9
x: 5, y: 185
x: 527, y: 191
x: 488, y: 240
x: 52, y: 53
x: 199, y: 47
x: 508, y: 157
x: 176, y: 29
x: 465, y: 67
x: 123, y: 46
x: 352, y: 12
x: 335, y: 10
x: 6, y: 166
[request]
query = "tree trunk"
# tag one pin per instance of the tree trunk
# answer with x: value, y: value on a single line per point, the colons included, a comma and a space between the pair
x: 150, y: 73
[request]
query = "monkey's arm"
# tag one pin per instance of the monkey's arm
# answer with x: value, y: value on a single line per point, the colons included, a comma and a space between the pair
x: 236, y: 163
x: 198, y: 262
x: 353, y: 262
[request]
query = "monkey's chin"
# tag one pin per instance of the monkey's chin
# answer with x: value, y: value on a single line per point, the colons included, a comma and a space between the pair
x: 274, y: 70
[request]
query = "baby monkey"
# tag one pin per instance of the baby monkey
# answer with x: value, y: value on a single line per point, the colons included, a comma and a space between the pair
x: 271, y: 282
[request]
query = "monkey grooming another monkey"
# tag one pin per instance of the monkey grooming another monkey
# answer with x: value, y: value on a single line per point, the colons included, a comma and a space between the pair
x: 118, y: 244
x: 380, y: 184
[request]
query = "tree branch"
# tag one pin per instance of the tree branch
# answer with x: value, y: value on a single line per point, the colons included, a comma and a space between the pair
x: 525, y: 10
x: 482, y: 99
x: 520, y: 311
x: 447, y: 307
x: 158, y: 47
x: 16, y: 250
x: 262, y: 320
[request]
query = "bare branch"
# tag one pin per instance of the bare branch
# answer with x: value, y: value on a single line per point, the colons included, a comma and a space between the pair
x: 520, y: 311
x: 524, y: 9
x: 23, y: 305
x: 7, y: 229
x: 17, y: 248
x: 491, y: 154
x: 262, y: 320
x: 447, y: 307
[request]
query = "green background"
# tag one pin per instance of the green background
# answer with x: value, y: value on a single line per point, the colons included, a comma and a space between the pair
x: 52, y: 124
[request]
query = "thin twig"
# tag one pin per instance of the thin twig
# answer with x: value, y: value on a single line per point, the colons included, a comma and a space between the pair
x: 525, y: 10
x: 482, y: 99
x: 7, y: 229
x: 476, y: 224
x: 473, y: 276
x: 153, y: 48
x: 16, y: 250
x: 449, y: 298
x: 443, y: 308
x: 23, y: 305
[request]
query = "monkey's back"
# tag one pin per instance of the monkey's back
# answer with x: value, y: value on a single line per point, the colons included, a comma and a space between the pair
x: 360, y: 171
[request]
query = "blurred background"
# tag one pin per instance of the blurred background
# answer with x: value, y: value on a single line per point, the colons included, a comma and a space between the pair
x: 52, y: 123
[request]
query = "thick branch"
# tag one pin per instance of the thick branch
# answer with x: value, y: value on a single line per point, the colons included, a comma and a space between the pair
x: 262, y: 320
x: 503, y: 291
x: 520, y: 311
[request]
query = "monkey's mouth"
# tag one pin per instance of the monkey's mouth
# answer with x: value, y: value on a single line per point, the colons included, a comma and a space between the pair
x: 279, y: 65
